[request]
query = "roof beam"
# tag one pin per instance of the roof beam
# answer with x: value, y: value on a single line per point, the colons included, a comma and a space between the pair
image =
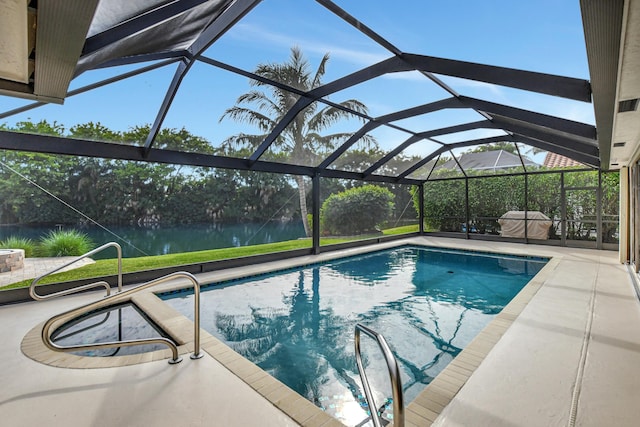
x: 136, y: 59
x: 562, y: 125
x: 397, y: 150
x: 544, y: 134
x: 83, y: 147
x: 348, y: 143
x: 424, y: 135
x: 389, y: 65
x: 551, y: 122
x: 300, y: 104
x: 547, y: 146
x: 481, y: 141
x: 443, y: 104
x: 537, y: 82
x: 481, y: 124
x: 183, y: 68
x: 436, y: 132
x: 450, y: 147
x: 390, y: 155
x: 350, y: 19
x: 282, y: 86
x: 344, y: 15
x: 565, y: 87
x: 423, y: 162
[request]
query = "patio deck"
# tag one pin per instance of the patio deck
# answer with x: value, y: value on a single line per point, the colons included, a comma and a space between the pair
x: 568, y: 358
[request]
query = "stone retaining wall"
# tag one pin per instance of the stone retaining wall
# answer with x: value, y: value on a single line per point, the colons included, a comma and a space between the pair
x: 11, y: 260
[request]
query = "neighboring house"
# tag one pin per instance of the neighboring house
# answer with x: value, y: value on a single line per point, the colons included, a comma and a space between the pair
x: 489, y: 160
x: 553, y: 160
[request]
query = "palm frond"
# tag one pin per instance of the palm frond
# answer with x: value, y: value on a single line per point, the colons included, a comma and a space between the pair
x: 367, y: 142
x: 302, y: 140
x: 242, y: 140
x: 355, y: 105
x: 317, y: 79
x: 298, y: 68
x: 335, y: 140
x: 294, y: 73
x: 326, y: 117
x: 262, y: 102
x: 252, y: 117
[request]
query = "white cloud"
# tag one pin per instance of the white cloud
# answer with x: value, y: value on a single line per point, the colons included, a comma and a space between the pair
x: 257, y: 34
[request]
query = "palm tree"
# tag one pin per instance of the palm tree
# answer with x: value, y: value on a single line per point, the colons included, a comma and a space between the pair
x: 301, y: 142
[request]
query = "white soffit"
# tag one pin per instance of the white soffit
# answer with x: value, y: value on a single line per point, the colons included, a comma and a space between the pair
x: 14, y: 41
x: 627, y: 123
x: 60, y: 36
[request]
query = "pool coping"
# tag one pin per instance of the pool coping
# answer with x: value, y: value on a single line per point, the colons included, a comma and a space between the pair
x: 422, y: 411
x: 428, y: 405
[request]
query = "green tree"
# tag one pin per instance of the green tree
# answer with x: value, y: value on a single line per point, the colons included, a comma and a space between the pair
x: 22, y: 201
x: 302, y: 141
x: 444, y: 205
x: 87, y: 185
x: 357, y: 210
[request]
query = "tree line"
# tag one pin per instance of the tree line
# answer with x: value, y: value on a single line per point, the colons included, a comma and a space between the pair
x: 118, y: 192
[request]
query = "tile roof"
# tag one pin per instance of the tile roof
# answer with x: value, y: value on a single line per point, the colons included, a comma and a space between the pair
x: 492, y: 160
x: 553, y: 160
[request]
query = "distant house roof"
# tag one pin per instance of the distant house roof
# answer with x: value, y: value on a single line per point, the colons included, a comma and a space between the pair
x: 490, y: 160
x: 553, y: 160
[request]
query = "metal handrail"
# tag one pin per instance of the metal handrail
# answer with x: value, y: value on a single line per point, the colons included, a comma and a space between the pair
x: 79, y: 331
x: 35, y: 296
x: 72, y: 323
x: 46, y: 329
x: 394, y: 373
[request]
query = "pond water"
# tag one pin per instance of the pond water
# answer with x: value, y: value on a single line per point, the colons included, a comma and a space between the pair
x: 173, y: 239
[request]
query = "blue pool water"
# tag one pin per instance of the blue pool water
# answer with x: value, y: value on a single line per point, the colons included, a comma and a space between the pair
x: 298, y: 324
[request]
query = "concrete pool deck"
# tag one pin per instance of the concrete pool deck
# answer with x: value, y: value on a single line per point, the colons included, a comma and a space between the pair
x: 568, y: 357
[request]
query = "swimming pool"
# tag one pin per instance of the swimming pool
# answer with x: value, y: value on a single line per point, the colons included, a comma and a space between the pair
x: 298, y: 324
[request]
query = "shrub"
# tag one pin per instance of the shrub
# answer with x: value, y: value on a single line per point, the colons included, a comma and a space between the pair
x: 14, y: 242
x: 65, y: 243
x: 357, y: 210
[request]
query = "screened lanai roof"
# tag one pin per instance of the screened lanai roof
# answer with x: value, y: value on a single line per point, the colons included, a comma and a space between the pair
x: 197, y: 49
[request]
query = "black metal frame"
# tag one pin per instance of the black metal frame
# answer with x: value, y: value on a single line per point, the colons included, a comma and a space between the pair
x: 565, y: 137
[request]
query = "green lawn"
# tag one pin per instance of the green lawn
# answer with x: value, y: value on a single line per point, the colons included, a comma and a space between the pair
x: 108, y: 267
x: 401, y: 230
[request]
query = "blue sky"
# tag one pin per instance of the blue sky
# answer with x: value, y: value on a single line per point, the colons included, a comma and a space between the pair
x: 544, y: 36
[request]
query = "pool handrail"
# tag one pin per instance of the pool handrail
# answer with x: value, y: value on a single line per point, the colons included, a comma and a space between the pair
x: 86, y: 328
x: 197, y: 354
x: 34, y: 283
x: 394, y: 373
